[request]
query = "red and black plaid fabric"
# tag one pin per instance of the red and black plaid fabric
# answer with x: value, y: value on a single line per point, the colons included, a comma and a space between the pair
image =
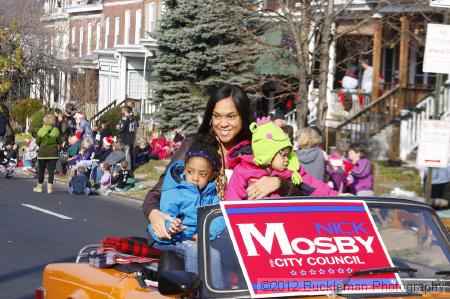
x: 130, y: 245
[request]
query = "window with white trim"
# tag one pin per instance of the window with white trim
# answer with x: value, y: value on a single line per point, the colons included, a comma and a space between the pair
x: 126, y: 40
x: 152, y: 16
x: 89, y: 38
x: 97, y: 36
x: 106, y: 32
x: 147, y: 17
x: 137, y: 29
x: 136, y: 84
x: 74, y: 32
x: 80, y: 50
x: 161, y: 11
x: 116, y: 30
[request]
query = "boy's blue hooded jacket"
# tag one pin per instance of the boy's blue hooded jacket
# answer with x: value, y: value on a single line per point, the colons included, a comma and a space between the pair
x: 181, y: 199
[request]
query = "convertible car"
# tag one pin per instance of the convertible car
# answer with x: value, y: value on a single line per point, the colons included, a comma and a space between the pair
x: 412, y: 233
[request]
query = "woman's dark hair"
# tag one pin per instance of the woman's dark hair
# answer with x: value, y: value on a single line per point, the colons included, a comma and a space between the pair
x: 357, y: 148
x: 205, y: 145
x: 240, y: 100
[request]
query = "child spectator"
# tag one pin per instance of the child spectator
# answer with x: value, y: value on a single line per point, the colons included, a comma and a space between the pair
x: 360, y: 177
x: 65, y: 157
x: 79, y: 184
x: 270, y: 154
x: 105, y: 181
x: 30, y: 153
x: 115, y: 157
x: 188, y: 185
x: 8, y: 158
x: 122, y: 176
x: 336, y: 172
x: 310, y: 154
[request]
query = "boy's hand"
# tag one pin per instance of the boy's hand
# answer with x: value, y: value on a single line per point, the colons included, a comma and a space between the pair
x: 175, y: 226
x: 194, y: 237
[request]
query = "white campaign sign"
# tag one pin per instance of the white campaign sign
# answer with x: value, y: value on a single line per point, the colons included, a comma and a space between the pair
x: 440, y: 3
x: 434, y: 144
x: 437, y: 49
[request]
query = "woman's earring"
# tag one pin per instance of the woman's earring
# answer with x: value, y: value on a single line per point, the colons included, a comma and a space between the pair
x: 210, y: 123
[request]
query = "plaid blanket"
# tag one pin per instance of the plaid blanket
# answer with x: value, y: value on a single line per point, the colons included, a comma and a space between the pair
x: 106, y: 258
x: 133, y: 246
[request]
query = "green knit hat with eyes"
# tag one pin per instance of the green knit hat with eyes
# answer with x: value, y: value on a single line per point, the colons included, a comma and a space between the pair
x: 267, y: 140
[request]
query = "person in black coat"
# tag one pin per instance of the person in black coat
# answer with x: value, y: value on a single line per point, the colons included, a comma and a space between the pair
x: 126, y: 129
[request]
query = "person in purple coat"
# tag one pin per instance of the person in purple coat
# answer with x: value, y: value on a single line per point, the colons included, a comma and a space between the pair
x: 360, y: 178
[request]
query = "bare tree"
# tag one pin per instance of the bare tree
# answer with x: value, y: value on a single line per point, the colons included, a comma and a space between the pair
x: 312, y: 28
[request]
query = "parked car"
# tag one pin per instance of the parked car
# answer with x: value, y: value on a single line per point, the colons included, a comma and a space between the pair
x: 412, y: 233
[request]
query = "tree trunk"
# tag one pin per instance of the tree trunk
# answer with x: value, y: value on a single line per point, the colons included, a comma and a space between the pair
x: 324, y: 64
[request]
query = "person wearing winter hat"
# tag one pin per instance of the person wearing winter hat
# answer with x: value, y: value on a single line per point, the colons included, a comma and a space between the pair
x: 336, y: 172
x: 83, y: 126
x: 269, y: 154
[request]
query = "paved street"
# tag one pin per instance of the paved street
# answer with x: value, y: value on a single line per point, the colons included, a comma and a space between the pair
x: 37, y: 229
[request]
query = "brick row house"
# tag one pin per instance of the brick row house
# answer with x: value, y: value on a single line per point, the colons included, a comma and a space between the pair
x: 107, y: 44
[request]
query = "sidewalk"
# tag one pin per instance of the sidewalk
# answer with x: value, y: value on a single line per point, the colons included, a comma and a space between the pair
x: 147, y: 176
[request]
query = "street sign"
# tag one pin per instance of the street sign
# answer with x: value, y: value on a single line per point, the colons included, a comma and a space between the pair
x: 282, y: 256
x: 440, y: 3
x: 437, y: 49
x: 434, y: 144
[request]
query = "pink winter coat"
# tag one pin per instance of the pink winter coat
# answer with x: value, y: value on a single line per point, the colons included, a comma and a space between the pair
x: 240, y: 159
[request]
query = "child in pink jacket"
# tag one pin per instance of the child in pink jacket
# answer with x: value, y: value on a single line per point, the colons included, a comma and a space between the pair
x: 269, y: 154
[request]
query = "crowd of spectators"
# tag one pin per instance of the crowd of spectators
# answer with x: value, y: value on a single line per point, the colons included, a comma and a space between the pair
x: 93, y: 158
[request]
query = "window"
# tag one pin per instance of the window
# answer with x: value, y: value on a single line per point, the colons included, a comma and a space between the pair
x: 74, y: 32
x: 136, y: 84
x: 161, y: 10
x: 116, y: 30
x: 152, y: 17
x: 106, y: 32
x: 126, y: 40
x: 89, y: 38
x: 80, y: 50
x: 137, y: 31
x: 97, y: 36
x: 147, y: 17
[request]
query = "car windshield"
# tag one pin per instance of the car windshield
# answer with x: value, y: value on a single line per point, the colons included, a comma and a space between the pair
x: 410, y: 233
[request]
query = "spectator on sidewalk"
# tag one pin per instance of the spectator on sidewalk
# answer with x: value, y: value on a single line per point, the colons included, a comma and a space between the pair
x: 83, y: 126
x: 8, y: 158
x: 360, y: 178
x: 310, y: 154
x: 121, y: 179
x: 336, y: 173
x: 48, y: 140
x: 142, y: 153
x: 113, y: 159
x: 79, y: 184
x: 127, y: 133
x: 66, y: 156
x: 30, y: 152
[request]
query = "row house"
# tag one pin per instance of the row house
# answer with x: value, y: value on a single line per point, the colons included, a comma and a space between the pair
x: 108, y: 45
x: 397, y: 62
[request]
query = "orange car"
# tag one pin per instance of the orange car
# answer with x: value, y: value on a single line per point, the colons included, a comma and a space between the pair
x: 412, y: 233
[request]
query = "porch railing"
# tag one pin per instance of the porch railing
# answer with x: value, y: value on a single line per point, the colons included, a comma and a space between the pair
x: 411, y: 119
x: 336, y: 108
x: 377, y: 115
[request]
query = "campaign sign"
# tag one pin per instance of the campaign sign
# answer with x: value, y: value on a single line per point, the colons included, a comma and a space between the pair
x: 307, y: 247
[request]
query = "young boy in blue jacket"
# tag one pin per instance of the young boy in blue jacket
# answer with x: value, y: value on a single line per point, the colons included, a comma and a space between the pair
x: 190, y: 184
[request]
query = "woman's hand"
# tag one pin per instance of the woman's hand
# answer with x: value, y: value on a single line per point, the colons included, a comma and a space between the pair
x: 158, y: 220
x: 263, y: 186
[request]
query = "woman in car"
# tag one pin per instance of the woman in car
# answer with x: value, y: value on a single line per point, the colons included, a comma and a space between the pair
x: 228, y: 115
